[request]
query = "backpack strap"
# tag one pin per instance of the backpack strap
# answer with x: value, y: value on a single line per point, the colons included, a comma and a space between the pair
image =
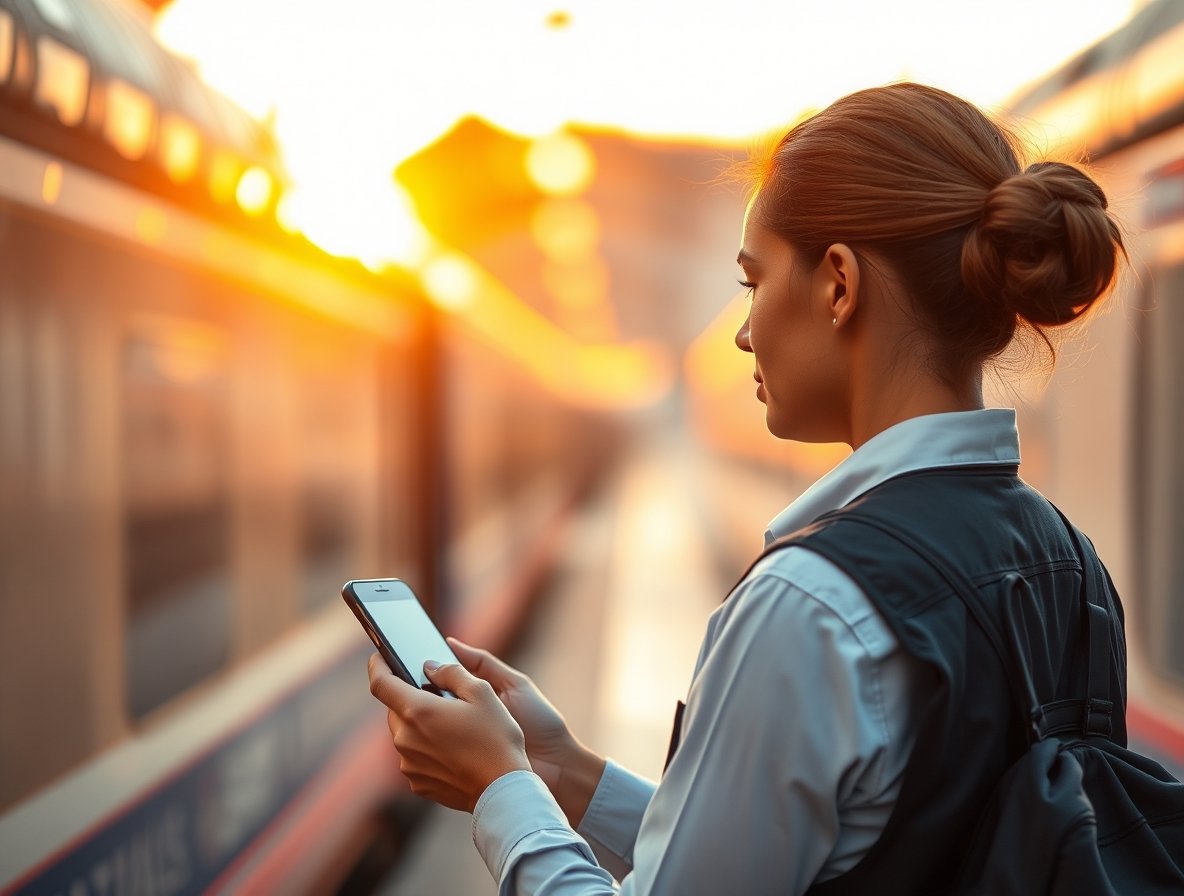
x: 1091, y: 715
x: 1022, y: 688
x: 1099, y: 707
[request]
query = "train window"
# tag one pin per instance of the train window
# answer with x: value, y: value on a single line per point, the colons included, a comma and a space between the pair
x: 128, y: 121
x: 180, y: 148
x: 63, y: 78
x: 1159, y: 403
x: 333, y: 449
x: 177, y: 509
x: 328, y: 541
x: 7, y: 45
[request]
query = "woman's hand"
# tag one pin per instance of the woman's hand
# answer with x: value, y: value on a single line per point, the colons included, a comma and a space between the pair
x: 450, y: 750
x: 569, y: 769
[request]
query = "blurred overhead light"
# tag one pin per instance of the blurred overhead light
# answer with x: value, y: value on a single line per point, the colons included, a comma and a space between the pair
x: 450, y: 281
x: 254, y: 191
x: 561, y: 164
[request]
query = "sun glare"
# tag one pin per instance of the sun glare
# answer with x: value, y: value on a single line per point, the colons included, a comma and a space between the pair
x: 356, y: 87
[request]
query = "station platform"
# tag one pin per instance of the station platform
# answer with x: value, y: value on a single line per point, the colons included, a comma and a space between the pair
x: 615, y: 634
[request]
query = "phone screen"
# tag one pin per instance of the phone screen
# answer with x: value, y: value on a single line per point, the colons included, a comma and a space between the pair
x: 405, y: 624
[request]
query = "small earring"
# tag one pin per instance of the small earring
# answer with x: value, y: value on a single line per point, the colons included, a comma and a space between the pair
x: 835, y: 321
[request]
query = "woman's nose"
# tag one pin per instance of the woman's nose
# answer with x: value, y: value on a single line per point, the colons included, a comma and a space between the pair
x: 743, y: 342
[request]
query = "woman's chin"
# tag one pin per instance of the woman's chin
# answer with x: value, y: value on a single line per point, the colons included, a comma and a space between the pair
x: 793, y: 429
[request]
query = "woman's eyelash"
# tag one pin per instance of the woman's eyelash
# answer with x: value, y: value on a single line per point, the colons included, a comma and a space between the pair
x: 746, y: 284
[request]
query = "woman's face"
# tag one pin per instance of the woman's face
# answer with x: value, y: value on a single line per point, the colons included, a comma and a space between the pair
x: 800, y: 373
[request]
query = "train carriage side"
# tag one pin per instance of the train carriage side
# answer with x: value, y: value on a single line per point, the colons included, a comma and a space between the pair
x: 1109, y: 425
x: 192, y: 462
x: 206, y: 425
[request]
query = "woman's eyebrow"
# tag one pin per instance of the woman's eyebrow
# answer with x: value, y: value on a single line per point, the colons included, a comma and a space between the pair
x: 744, y: 258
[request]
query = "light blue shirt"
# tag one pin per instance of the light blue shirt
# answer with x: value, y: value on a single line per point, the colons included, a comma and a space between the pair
x: 798, y: 726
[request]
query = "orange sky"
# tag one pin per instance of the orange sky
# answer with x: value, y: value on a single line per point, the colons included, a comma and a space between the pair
x: 356, y: 86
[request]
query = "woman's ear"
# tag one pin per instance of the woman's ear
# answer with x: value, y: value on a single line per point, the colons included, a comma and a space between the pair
x: 839, y: 282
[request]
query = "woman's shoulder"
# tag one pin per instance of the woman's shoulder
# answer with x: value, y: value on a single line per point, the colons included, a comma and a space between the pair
x: 796, y: 591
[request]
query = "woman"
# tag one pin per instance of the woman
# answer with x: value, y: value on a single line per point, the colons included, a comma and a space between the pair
x: 845, y: 722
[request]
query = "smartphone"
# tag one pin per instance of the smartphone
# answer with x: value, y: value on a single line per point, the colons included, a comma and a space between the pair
x: 400, y: 628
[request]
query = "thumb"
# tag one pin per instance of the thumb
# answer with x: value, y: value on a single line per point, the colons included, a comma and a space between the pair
x: 451, y: 677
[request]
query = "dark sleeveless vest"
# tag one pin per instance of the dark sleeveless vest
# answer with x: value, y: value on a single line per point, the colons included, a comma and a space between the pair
x: 987, y: 523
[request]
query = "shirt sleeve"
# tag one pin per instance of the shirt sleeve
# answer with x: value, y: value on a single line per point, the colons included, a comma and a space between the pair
x: 613, y: 817
x: 784, y: 743
x: 527, y: 844
x: 517, y: 816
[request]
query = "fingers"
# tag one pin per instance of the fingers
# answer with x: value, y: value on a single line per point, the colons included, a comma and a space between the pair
x: 484, y: 664
x: 456, y: 679
x: 396, y: 694
x: 450, y: 750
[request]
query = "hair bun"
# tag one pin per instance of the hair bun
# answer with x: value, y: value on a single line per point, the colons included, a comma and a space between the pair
x: 1045, y: 246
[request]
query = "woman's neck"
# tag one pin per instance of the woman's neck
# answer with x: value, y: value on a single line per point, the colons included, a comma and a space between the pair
x: 889, y: 400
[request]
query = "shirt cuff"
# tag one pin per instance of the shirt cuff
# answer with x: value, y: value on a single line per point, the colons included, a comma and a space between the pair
x: 613, y: 817
x: 512, y: 809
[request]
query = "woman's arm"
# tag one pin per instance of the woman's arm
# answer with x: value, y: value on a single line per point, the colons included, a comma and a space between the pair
x: 785, y: 743
x: 784, y: 727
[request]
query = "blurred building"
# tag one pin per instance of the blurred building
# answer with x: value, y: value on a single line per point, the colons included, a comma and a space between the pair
x: 612, y: 237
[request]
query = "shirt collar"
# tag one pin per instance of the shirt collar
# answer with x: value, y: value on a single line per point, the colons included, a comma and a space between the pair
x: 958, y: 438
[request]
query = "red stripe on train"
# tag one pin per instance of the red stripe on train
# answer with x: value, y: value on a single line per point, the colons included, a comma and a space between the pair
x: 310, y: 845
x: 107, y: 819
x: 1157, y: 732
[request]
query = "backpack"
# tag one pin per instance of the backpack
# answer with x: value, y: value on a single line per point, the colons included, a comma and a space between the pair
x: 1077, y: 814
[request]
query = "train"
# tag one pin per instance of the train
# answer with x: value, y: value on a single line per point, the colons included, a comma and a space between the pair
x: 207, y: 425
x: 1103, y: 433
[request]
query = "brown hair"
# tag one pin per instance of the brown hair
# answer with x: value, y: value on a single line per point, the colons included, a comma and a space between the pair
x: 929, y: 185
